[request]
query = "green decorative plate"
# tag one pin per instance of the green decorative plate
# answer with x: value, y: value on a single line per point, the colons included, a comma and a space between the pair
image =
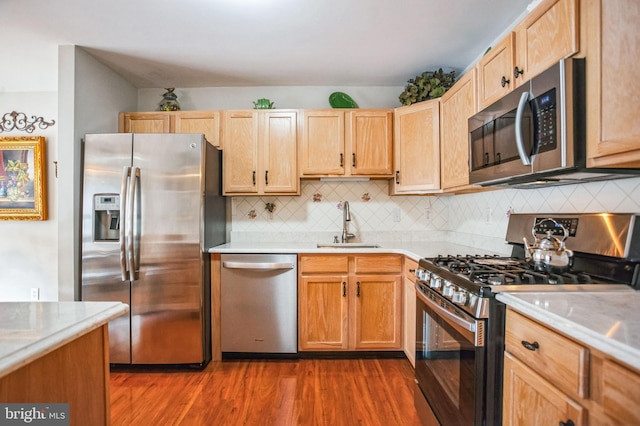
x: 341, y: 100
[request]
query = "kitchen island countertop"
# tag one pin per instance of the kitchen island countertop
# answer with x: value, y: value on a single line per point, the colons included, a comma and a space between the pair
x: 31, y: 330
x: 413, y: 249
x: 606, y: 321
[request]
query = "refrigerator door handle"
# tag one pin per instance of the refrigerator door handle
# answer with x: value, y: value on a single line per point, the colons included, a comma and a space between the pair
x: 135, y: 172
x: 123, y: 223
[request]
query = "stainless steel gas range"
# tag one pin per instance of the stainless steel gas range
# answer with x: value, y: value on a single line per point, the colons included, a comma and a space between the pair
x: 460, y: 324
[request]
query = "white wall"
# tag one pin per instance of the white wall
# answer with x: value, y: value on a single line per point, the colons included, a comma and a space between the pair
x: 91, y: 95
x: 282, y: 97
x: 28, y: 249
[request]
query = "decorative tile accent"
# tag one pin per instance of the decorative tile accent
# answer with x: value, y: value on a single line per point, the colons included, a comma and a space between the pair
x: 317, y: 197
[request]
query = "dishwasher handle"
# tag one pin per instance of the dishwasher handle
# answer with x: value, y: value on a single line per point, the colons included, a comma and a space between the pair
x: 258, y: 265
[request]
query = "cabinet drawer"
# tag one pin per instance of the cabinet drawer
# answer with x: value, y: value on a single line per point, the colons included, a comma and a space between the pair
x: 410, y: 267
x: 324, y: 264
x: 556, y: 358
x: 377, y: 264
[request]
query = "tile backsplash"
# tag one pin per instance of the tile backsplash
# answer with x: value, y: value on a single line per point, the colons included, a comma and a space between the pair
x: 477, y: 220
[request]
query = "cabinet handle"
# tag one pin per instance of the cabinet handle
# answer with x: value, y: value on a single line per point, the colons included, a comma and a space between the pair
x: 358, y: 289
x: 504, y: 81
x: 531, y: 346
x: 353, y: 159
x: 486, y: 158
x: 412, y: 270
x: 344, y: 289
x: 341, y: 160
x: 498, y: 159
x: 253, y: 178
x: 266, y: 177
x: 398, y: 176
x: 567, y: 423
x: 517, y: 72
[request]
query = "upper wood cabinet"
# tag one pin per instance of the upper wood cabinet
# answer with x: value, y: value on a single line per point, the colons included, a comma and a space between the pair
x: 346, y: 143
x: 495, y: 72
x: 260, y: 152
x: 545, y: 36
x: 613, y: 82
x: 205, y: 122
x: 417, y: 148
x: 456, y: 106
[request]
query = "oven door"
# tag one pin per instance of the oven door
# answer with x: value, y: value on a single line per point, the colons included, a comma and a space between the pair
x: 450, y: 360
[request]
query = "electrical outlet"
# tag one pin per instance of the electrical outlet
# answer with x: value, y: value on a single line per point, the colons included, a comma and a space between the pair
x: 427, y: 214
x: 35, y: 293
x: 487, y: 215
x: 396, y: 214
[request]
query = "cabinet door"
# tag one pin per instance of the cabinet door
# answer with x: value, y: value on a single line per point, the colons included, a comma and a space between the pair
x: 376, y: 321
x: 417, y: 148
x: 323, y: 312
x: 613, y: 128
x: 371, y: 142
x: 240, y: 159
x: 495, y: 72
x: 322, y: 143
x: 531, y: 400
x: 457, y: 105
x: 409, y: 310
x: 279, y: 172
x: 205, y: 122
x: 547, y: 35
x: 145, y: 122
x: 620, y: 398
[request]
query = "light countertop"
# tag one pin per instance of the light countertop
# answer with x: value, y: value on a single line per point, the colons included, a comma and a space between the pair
x: 30, y: 330
x: 414, y: 250
x: 606, y: 321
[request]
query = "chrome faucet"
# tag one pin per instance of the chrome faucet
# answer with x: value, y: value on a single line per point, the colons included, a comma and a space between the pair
x: 346, y: 218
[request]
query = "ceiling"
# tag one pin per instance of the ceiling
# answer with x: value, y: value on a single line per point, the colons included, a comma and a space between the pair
x: 217, y: 43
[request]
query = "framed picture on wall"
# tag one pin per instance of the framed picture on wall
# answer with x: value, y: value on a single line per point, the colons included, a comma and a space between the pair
x: 23, y: 194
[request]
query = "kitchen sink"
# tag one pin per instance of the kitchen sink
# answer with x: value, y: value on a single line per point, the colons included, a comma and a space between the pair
x: 348, y: 245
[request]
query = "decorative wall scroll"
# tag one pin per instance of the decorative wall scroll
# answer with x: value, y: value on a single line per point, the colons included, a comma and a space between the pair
x: 19, y: 121
x: 23, y: 193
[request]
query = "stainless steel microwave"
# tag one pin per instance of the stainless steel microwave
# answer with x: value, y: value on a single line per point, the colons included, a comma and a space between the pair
x: 536, y: 135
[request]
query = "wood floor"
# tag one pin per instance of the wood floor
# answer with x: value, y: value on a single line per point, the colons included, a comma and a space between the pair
x: 276, y: 392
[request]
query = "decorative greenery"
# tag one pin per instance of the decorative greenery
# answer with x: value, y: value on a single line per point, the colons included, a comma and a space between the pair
x: 270, y: 207
x: 428, y: 85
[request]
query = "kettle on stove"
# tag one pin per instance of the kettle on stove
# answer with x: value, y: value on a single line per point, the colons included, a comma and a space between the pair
x: 549, y: 254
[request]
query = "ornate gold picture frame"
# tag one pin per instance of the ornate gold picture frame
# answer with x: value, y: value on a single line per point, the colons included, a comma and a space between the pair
x: 23, y: 194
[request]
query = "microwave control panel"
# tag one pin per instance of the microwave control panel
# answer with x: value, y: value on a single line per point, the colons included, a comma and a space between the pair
x: 545, y: 130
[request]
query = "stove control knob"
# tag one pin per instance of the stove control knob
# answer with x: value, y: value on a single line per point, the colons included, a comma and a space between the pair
x: 436, y: 281
x: 424, y: 275
x: 418, y: 272
x: 460, y: 297
x: 447, y: 290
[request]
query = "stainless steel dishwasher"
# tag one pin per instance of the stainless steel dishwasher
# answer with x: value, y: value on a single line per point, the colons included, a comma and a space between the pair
x: 259, y: 304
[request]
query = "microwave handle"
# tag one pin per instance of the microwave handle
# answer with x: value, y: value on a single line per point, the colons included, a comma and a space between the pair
x: 526, y: 159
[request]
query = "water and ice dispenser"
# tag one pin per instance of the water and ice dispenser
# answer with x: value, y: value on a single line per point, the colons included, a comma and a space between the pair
x: 106, y: 217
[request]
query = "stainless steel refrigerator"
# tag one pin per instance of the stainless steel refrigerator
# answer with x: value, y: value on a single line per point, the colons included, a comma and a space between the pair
x: 151, y: 206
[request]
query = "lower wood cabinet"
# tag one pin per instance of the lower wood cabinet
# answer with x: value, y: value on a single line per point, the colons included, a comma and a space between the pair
x: 550, y: 378
x: 349, y: 302
x: 409, y: 310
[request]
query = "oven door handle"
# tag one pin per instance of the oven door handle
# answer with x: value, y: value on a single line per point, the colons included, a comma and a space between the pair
x: 467, y: 325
